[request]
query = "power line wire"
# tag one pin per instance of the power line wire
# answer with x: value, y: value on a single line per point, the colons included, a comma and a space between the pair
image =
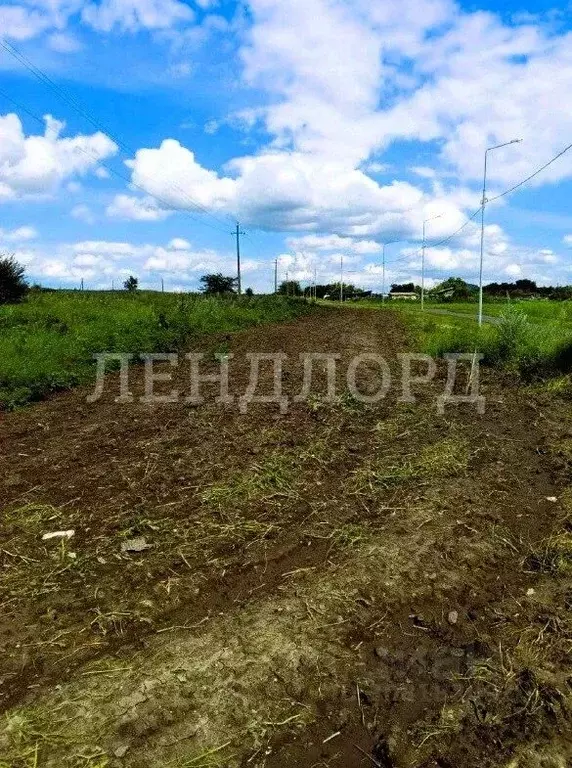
x: 532, y: 175
x: 108, y: 167
x: 78, y: 107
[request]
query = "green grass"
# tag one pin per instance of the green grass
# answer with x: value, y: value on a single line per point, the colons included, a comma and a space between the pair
x: 534, y: 348
x: 536, y: 310
x: 47, y: 343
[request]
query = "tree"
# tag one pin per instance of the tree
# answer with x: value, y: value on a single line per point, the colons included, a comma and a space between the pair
x: 131, y: 284
x: 13, y: 286
x: 461, y: 289
x: 403, y: 288
x: 290, y: 288
x: 218, y: 283
x: 249, y: 292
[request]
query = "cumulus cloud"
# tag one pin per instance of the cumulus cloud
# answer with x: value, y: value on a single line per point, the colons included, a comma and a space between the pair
x: 136, y: 209
x: 418, y: 69
x: 136, y: 14
x: 19, y: 235
x: 277, y: 190
x: 63, y: 42
x: 28, y: 19
x: 179, y: 244
x: 333, y: 242
x: 83, y: 213
x: 36, y: 165
x: 99, y: 262
x: 19, y: 23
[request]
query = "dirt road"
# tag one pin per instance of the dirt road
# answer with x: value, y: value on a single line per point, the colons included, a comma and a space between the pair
x: 342, y: 585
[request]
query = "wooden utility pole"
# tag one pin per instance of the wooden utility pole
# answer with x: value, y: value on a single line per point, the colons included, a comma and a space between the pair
x: 275, y: 275
x: 238, y: 233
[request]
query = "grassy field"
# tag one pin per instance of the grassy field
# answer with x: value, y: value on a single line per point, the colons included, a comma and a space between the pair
x: 47, y: 343
x: 536, y: 310
x: 533, y: 338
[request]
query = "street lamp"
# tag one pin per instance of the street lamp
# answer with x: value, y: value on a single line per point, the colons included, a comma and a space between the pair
x: 483, y: 203
x: 431, y: 218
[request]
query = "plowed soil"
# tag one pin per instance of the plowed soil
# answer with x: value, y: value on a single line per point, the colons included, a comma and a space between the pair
x: 345, y: 584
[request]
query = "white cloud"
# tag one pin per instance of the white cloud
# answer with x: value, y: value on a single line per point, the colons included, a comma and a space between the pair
x: 100, y: 262
x: 63, y: 42
x: 136, y: 14
x: 178, y: 244
x: 19, y: 23
x: 277, y: 190
x: 30, y: 18
x: 36, y: 165
x: 19, y: 235
x: 513, y: 270
x: 332, y: 243
x: 423, y: 171
x: 83, y: 213
x: 136, y: 209
x: 172, y: 174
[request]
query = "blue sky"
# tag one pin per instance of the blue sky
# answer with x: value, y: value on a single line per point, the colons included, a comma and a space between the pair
x: 327, y: 127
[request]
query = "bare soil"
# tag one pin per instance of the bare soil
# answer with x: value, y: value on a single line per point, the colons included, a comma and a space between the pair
x: 345, y: 584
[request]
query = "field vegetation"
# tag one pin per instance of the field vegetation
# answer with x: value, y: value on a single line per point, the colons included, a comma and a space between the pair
x: 531, y: 338
x: 47, y: 342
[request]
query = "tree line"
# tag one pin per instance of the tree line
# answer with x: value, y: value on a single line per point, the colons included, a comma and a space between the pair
x: 14, y: 287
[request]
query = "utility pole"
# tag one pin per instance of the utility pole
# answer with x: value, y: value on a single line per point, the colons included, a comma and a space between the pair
x: 383, y: 276
x: 275, y: 275
x: 423, y: 260
x: 341, y: 279
x: 287, y: 282
x: 314, y: 291
x: 162, y: 286
x: 423, y: 271
x: 81, y: 289
x: 238, y: 233
x: 483, y: 203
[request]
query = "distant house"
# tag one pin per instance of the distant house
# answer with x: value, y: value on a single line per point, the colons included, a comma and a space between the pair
x: 406, y: 295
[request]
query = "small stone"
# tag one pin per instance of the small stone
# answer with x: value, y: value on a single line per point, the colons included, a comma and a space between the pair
x: 453, y: 617
x: 58, y: 535
x: 121, y: 751
x: 530, y: 592
x: 381, y: 652
x: 135, y: 545
x: 553, y: 499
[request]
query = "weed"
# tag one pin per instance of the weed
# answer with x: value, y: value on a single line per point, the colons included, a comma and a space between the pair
x: 47, y: 343
x: 274, y: 476
x: 533, y: 342
x: 445, y: 458
x: 553, y: 556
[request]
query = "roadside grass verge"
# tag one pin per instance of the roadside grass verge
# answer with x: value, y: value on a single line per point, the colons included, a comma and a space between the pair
x: 47, y: 343
x: 533, y: 350
x: 536, y: 310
